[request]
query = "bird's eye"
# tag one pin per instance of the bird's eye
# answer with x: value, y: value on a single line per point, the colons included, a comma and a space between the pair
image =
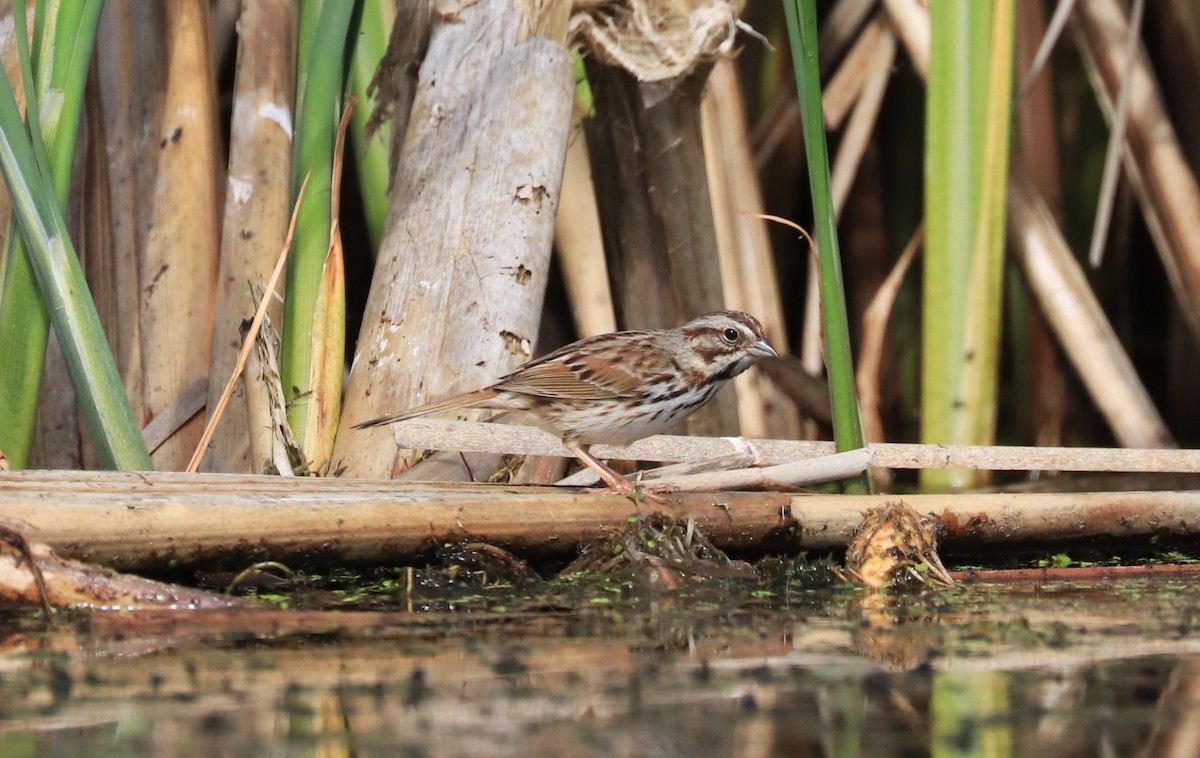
x: 730, y: 335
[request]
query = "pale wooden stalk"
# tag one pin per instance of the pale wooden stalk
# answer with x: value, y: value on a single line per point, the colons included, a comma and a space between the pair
x: 179, y: 184
x: 1175, y: 31
x: 580, y: 245
x: 747, y: 263
x: 841, y: 27
x: 587, y: 477
x: 911, y: 20
x: 1079, y: 322
x: 1175, y: 34
x: 539, y: 469
x: 842, y: 90
x: 78, y: 585
x: 257, y: 209
x: 496, y: 438
x: 1166, y: 188
x: 869, y: 377
x: 655, y: 211
x: 130, y: 521
x: 113, y: 186
x: 784, y: 476
x: 457, y: 293
x: 877, y: 71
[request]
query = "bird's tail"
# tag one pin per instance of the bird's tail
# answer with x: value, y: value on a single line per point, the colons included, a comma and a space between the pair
x: 449, y: 404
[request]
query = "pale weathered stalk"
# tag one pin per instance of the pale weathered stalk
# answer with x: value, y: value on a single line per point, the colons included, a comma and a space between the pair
x: 457, y: 293
x: 149, y: 521
x: 257, y: 210
x: 1166, y: 188
x: 497, y: 438
x: 747, y: 262
x: 179, y: 186
x: 1077, y: 319
x: 581, y: 247
x: 113, y: 186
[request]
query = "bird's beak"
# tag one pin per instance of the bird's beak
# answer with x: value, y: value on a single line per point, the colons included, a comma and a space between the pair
x: 763, y: 349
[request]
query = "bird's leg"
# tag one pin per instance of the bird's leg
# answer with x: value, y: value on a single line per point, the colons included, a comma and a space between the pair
x: 615, y: 481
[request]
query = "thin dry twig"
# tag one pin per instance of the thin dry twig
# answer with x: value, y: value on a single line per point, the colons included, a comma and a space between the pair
x: 1054, y: 31
x: 857, y: 135
x: 870, y: 357
x: 248, y: 341
x: 1116, y: 140
x: 786, y: 222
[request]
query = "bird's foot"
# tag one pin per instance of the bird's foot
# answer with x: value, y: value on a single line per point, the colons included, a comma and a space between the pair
x: 636, y: 492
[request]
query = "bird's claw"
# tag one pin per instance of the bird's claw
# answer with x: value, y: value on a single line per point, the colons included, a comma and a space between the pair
x: 635, y: 492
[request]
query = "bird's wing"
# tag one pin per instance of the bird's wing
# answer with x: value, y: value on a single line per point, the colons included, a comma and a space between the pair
x: 580, y: 375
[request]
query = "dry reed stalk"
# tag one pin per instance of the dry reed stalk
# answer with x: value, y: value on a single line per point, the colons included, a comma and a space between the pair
x: 465, y: 436
x: 176, y: 136
x: 843, y: 89
x: 1079, y: 322
x: 1036, y: 118
x: 876, y: 73
x: 1166, y: 188
x: 1174, y: 35
x: 143, y: 521
x: 655, y: 209
x: 868, y: 378
x: 580, y: 245
x: 840, y: 28
x: 74, y: 584
x: 264, y: 398
x: 911, y: 21
x: 113, y: 187
x: 457, y: 292
x: 747, y: 263
x: 256, y: 210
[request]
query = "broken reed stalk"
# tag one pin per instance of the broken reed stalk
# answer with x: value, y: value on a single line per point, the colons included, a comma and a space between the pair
x: 257, y: 206
x: 249, y: 340
x: 149, y: 521
x: 179, y: 182
x: 643, y: 138
x: 472, y: 213
x: 472, y: 437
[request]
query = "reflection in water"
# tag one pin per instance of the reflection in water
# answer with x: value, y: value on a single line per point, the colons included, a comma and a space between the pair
x: 976, y: 671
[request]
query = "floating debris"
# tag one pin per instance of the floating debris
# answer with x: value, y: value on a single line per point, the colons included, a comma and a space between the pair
x: 896, y: 547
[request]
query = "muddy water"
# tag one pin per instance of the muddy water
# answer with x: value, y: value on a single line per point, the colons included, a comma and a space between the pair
x: 1061, y: 669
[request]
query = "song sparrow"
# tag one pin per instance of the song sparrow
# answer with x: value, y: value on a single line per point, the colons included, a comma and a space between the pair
x: 620, y: 387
